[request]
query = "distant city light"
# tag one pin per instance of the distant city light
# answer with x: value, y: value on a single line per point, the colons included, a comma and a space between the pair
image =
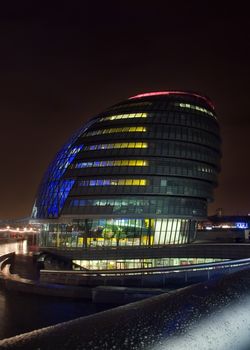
x: 242, y: 225
x: 19, y: 230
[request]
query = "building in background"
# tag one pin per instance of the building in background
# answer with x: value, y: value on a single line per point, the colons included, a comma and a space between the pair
x: 138, y: 175
x: 221, y: 228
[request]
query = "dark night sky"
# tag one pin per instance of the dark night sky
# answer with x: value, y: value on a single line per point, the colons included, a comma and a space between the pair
x: 62, y: 63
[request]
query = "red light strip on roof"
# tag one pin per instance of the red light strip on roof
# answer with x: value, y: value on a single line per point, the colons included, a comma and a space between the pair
x: 158, y: 93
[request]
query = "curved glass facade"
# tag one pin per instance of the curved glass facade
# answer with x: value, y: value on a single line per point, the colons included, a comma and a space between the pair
x: 140, y: 173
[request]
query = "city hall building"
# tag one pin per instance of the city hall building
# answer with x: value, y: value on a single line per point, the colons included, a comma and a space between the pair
x: 138, y: 175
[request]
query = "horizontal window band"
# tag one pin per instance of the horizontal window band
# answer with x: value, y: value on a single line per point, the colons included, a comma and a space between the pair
x: 124, y: 116
x: 116, y: 145
x: 194, y: 107
x: 114, y: 182
x: 110, y: 163
x: 115, y: 130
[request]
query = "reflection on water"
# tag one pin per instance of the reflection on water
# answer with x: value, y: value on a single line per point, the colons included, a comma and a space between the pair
x: 19, y: 247
x: 20, y: 313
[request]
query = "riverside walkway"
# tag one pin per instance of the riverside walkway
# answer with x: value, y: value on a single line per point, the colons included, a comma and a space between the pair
x: 154, y: 323
x: 151, y: 324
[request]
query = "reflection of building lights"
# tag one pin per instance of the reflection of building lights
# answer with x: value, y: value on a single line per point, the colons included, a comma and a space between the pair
x: 8, y: 227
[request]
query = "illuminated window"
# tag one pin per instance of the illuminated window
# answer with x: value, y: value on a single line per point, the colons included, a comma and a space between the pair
x: 107, y: 163
x: 116, y: 145
x: 114, y: 182
x: 124, y: 116
x: 197, y: 108
x: 116, y: 130
x: 205, y: 170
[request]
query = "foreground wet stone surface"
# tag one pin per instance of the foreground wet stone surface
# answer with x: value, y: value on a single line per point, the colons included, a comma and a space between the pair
x: 142, y: 325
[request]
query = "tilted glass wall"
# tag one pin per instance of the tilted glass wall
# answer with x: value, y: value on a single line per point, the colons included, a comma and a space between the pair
x: 141, y: 173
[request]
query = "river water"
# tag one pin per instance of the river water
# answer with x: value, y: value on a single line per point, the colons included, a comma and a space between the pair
x: 20, y: 312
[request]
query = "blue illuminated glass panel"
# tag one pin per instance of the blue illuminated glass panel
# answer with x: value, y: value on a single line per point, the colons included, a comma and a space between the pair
x: 58, y: 189
x: 55, y: 190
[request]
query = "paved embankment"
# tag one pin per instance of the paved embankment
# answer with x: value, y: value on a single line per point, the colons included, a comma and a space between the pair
x: 16, y: 273
x: 139, y: 325
x: 20, y: 273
